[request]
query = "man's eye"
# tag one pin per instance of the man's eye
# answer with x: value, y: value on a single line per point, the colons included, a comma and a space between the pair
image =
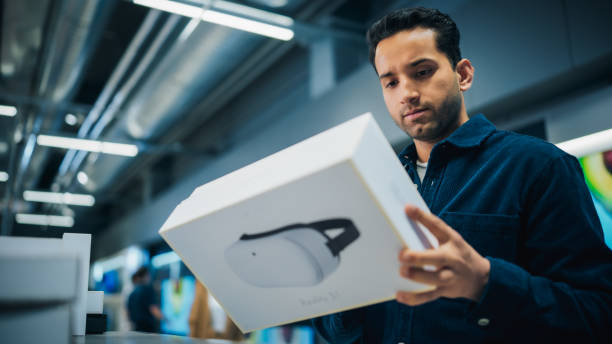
x: 391, y: 84
x: 423, y: 73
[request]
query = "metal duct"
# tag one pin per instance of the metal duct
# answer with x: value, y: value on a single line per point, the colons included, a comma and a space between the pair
x: 209, y: 59
x: 190, y: 71
x: 79, y: 23
x: 193, y: 67
x: 75, y: 30
x: 114, y: 93
x: 21, y: 37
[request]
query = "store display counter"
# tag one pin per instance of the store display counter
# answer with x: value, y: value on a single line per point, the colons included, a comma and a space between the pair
x: 141, y: 338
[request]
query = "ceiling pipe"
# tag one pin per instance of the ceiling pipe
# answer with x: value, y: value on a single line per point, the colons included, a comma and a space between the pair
x: 23, y: 26
x: 192, y: 67
x: 119, y: 98
x: 210, y: 59
x: 74, y: 30
x: 118, y: 74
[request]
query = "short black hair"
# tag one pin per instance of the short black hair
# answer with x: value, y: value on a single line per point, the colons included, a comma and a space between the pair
x: 447, y: 33
x: 140, y: 273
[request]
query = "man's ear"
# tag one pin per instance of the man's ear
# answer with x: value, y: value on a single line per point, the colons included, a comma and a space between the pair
x: 465, y: 74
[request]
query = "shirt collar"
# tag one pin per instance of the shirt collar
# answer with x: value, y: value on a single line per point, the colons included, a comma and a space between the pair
x: 471, y: 134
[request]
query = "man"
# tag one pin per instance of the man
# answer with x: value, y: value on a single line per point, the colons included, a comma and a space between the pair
x: 143, y: 311
x: 521, y: 255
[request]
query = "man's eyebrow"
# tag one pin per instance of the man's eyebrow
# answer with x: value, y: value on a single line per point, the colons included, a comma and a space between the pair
x: 387, y: 74
x: 419, y: 61
x: 412, y: 64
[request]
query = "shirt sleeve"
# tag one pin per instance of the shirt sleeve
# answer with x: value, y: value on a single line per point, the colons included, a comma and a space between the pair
x: 344, y: 327
x: 561, y: 285
x: 150, y: 297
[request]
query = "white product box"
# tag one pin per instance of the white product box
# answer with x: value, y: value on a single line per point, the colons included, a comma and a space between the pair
x: 40, y: 277
x: 95, y: 302
x: 311, y: 230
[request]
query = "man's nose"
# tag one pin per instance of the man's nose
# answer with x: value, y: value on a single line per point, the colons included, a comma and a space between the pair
x: 410, y: 94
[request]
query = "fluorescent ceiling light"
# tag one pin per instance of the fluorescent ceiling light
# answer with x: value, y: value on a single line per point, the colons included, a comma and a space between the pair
x: 114, y: 263
x: 130, y: 259
x: 220, y: 18
x: 58, y: 197
x: 276, y: 3
x: 45, y: 220
x: 247, y: 25
x: 96, y: 272
x: 165, y: 259
x: 71, y: 119
x: 585, y: 145
x: 3, y: 176
x: 135, y: 257
x: 88, y: 145
x: 6, y: 110
x: 251, y: 12
x: 82, y: 177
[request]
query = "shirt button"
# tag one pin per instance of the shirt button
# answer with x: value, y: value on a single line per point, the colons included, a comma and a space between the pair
x: 483, y: 322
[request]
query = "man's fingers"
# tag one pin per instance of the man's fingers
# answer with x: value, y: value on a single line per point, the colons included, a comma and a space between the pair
x: 435, y: 225
x: 440, y: 277
x: 416, y: 298
x: 438, y: 257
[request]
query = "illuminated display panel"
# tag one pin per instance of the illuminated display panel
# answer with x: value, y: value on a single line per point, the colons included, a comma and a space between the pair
x: 176, y: 300
x: 597, y: 170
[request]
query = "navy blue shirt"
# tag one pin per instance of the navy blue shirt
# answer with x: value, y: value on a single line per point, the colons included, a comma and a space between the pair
x: 138, y: 304
x: 523, y: 204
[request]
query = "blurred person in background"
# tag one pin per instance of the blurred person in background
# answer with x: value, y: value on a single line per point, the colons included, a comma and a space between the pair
x: 200, y: 319
x: 143, y: 311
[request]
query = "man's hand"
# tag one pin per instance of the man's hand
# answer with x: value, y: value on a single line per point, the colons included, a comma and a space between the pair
x: 459, y: 270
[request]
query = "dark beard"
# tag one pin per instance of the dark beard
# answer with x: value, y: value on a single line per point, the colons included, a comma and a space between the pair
x: 446, y: 120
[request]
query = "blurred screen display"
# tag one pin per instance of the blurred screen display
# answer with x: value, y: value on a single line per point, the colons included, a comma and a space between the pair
x: 283, y: 335
x: 598, y: 175
x: 176, y: 300
x: 110, y: 283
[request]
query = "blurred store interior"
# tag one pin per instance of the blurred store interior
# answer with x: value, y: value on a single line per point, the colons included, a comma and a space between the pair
x: 170, y: 102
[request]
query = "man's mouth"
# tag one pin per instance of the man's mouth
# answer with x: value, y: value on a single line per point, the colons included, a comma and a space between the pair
x: 414, y: 114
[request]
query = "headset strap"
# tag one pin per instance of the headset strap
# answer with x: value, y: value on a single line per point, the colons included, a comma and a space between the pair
x: 341, y: 241
x: 337, y: 244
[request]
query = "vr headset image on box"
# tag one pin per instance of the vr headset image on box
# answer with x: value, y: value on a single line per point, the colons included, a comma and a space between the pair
x: 297, y: 255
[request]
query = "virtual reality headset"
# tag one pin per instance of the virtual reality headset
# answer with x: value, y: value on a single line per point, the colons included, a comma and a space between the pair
x: 297, y: 255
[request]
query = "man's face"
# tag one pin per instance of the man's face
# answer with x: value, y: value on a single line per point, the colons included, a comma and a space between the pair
x: 420, y: 87
x: 146, y: 278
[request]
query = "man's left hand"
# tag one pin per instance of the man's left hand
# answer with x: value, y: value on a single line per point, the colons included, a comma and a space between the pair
x: 459, y: 270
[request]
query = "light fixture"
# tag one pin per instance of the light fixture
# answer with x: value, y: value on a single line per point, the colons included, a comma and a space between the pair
x: 3, y: 176
x: 88, y: 145
x: 71, y: 119
x: 588, y: 144
x: 6, y: 110
x: 82, y: 177
x: 274, y: 3
x: 131, y: 259
x: 97, y: 273
x: 251, y: 12
x: 44, y: 220
x: 220, y: 18
x: 135, y: 257
x: 114, y: 263
x: 58, y: 197
x: 165, y: 259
